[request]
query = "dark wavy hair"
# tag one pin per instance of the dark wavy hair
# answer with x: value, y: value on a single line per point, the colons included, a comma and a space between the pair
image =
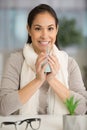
x: 37, y: 10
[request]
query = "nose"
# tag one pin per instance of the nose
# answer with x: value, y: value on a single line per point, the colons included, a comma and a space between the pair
x: 44, y: 34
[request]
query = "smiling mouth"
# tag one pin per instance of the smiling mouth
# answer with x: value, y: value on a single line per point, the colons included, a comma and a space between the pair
x: 44, y: 42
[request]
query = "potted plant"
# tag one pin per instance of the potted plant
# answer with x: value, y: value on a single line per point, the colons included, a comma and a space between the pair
x: 72, y: 121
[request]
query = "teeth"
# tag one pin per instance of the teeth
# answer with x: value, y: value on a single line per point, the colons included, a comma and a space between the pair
x: 44, y: 43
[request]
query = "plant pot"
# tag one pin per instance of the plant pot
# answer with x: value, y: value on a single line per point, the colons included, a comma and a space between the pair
x: 75, y: 122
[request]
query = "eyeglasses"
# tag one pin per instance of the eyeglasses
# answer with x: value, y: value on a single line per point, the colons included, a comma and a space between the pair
x: 34, y: 123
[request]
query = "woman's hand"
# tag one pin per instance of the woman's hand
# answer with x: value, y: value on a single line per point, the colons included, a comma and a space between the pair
x: 54, y: 64
x: 40, y: 66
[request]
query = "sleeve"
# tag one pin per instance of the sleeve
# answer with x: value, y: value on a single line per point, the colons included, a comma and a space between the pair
x: 76, y: 86
x: 9, y: 98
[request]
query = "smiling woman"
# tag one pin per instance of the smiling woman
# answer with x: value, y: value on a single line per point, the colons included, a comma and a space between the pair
x: 26, y: 87
x: 43, y: 32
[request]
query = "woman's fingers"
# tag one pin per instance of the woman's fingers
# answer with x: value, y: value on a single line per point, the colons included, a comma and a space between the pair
x: 54, y: 64
x: 40, y: 66
x: 53, y: 61
x: 40, y: 60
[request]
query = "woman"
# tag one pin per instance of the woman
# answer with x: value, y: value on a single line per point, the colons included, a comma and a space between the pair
x: 38, y: 79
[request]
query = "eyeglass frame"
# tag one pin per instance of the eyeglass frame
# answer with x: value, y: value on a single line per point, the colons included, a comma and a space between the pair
x: 29, y: 120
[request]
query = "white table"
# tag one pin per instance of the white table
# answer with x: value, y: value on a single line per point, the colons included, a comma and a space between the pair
x: 48, y: 122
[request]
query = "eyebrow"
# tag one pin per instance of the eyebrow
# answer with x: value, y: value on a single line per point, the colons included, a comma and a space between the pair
x: 42, y: 26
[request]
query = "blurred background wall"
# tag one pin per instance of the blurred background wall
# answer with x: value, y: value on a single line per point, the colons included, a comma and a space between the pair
x: 13, y: 33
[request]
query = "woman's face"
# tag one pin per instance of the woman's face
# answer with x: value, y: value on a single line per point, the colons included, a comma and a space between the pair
x: 43, y: 32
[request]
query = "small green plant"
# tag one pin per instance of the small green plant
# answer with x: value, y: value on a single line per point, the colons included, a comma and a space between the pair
x: 71, y: 105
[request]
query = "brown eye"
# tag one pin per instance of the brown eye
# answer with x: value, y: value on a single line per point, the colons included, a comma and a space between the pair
x: 37, y: 28
x: 50, y: 28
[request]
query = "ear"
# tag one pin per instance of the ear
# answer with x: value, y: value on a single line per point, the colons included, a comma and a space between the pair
x: 28, y: 29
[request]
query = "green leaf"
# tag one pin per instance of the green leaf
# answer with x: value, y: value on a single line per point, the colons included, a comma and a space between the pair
x: 71, y: 105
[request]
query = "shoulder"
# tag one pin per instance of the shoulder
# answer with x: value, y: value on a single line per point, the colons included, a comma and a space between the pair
x: 73, y: 68
x: 16, y: 56
x: 72, y: 64
x: 15, y: 61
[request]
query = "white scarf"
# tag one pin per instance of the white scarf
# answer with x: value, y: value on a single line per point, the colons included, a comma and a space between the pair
x: 55, y: 105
